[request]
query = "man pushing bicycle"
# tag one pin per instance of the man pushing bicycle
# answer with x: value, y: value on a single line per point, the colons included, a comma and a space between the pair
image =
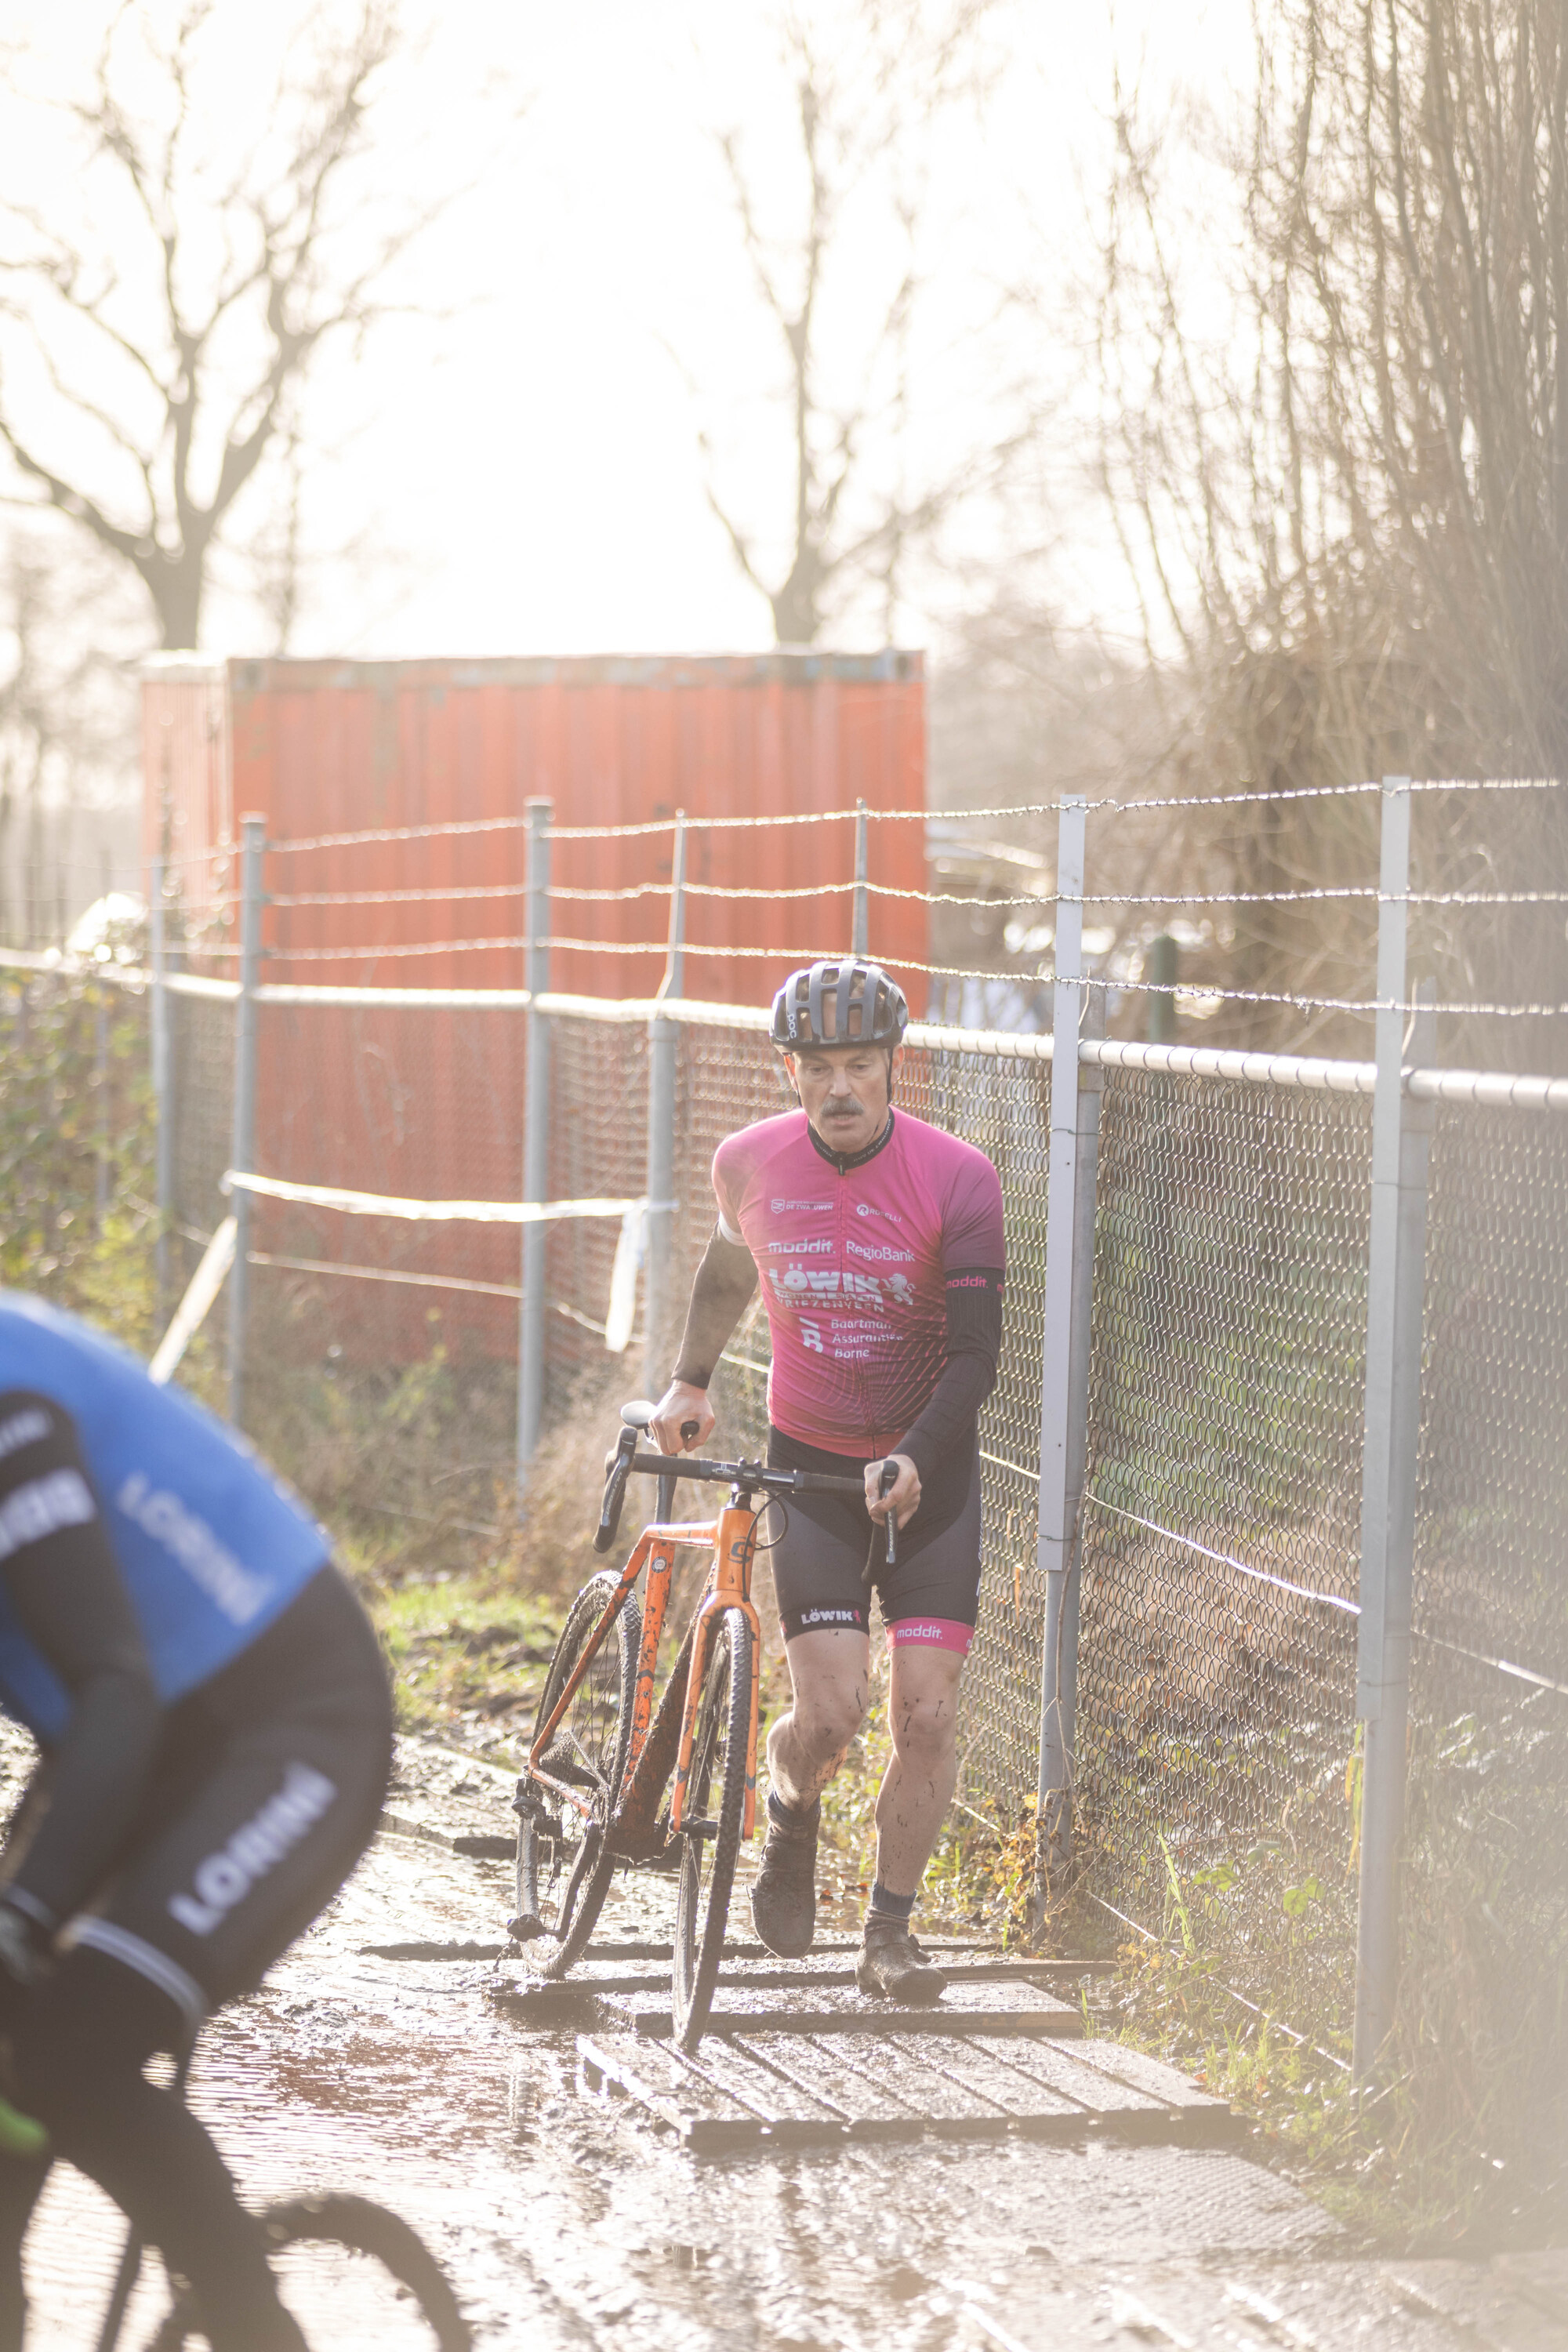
x: 877, y: 1240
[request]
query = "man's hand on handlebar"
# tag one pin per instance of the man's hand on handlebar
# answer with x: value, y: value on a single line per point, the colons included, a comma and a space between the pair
x: 680, y: 1408
x: 902, y: 1499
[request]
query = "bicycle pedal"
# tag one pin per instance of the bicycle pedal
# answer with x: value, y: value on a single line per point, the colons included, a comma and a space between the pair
x: 526, y: 1927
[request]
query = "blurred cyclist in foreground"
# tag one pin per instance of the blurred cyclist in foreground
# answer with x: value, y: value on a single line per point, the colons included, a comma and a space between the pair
x: 216, y: 1729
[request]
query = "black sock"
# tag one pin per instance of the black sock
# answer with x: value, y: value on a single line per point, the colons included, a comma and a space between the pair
x: 884, y: 1906
x: 793, y: 1818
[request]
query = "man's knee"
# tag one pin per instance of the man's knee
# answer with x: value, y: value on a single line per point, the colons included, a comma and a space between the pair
x: 94, y: 2024
x: 826, y: 1720
x: 924, y: 1725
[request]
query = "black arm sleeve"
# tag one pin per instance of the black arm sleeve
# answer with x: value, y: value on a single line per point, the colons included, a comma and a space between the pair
x: 725, y: 1281
x: 68, y: 1596
x: 974, y: 1346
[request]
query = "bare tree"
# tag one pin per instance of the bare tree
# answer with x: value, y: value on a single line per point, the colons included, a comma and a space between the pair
x: 143, y: 381
x: 865, y: 82
x: 66, y: 726
x: 1347, y: 498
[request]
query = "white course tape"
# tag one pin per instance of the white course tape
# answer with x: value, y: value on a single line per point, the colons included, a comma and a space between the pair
x: 192, y: 1310
x: 383, y: 1204
x: 623, y: 1306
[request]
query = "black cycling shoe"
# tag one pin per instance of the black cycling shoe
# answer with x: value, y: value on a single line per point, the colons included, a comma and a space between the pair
x: 783, y: 1893
x: 892, y: 1965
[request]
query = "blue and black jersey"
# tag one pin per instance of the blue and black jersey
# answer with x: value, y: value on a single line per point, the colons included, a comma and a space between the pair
x: 209, y: 1547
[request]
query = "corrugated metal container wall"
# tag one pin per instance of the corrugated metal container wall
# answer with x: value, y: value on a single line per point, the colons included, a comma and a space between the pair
x: 428, y: 1104
x: 187, y: 814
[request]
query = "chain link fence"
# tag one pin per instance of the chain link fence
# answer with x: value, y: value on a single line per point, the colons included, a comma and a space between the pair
x: 1217, y: 1789
x: 598, y: 1142
x: 201, y: 1044
x: 1217, y: 1799
x: 1217, y: 1648
x: 1486, y: 1877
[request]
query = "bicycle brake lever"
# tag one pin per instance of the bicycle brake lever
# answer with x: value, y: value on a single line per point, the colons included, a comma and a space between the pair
x: 619, y: 1466
x: 885, y: 1484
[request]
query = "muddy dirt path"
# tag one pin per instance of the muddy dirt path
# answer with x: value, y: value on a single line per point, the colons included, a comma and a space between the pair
x: 566, y: 2222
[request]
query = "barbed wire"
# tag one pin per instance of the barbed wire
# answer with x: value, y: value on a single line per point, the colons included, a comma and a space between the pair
x: 458, y: 828
x: 566, y: 893
x: 623, y: 947
x: 1364, y: 891
x: 399, y: 898
x: 1199, y: 988
x: 457, y: 891
x: 388, y: 947
x: 454, y: 828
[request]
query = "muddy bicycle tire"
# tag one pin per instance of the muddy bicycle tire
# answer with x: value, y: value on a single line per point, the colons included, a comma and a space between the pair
x: 590, y: 1745
x: 716, y: 1799
x: 363, y: 2228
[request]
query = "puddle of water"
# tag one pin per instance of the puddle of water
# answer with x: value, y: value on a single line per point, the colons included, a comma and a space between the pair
x: 562, y: 2220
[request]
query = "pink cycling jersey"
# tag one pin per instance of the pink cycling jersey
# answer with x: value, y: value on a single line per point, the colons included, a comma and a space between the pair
x: 855, y: 1261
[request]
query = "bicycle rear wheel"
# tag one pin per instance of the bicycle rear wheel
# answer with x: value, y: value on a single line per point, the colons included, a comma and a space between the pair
x: 711, y: 1818
x: 313, y: 2234
x: 563, y: 1870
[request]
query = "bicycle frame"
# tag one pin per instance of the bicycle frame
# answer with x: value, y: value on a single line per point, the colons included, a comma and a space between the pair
x: 731, y: 1539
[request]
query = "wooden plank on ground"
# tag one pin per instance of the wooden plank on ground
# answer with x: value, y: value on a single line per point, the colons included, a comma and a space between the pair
x: 428, y: 1951
x: 702, y: 2116
x: 547, y: 2004
x: 964, y: 2009
x: 593, y: 1975
x: 1203, y: 2117
x: 1115, y: 2108
x: 822, y: 2067
x: 954, y: 2110
x: 789, y: 2089
x: 789, y: 2115
x: 982, y: 2069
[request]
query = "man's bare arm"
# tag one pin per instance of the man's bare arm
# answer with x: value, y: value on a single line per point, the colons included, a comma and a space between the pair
x: 724, y: 1283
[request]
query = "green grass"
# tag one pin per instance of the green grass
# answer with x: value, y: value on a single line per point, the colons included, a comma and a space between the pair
x: 467, y: 1651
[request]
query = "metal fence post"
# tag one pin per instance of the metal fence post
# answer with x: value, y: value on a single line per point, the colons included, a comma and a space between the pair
x: 535, y: 1141
x: 242, y: 1145
x: 163, y: 1080
x: 1401, y: 1142
x: 663, y: 1057
x: 1064, y: 1369
x: 860, y: 931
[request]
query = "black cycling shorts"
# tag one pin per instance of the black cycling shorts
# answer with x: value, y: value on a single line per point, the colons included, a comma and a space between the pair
x: 265, y: 1789
x: 819, y: 1560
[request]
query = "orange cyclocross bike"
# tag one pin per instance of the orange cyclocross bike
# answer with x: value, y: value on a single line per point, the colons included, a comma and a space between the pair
x: 591, y: 1798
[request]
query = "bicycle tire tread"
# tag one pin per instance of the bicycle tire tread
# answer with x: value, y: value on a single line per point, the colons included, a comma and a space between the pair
x: 690, y: 2014
x: 586, y: 1608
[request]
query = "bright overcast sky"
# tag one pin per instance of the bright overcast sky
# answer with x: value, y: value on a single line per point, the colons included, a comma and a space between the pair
x: 525, y: 474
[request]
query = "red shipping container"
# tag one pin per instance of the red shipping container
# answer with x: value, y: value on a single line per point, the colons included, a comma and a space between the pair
x: 428, y: 1104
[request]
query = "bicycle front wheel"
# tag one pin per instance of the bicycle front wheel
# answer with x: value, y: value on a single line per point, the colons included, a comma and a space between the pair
x: 563, y: 1869
x: 711, y: 1826
x: 331, y: 2293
